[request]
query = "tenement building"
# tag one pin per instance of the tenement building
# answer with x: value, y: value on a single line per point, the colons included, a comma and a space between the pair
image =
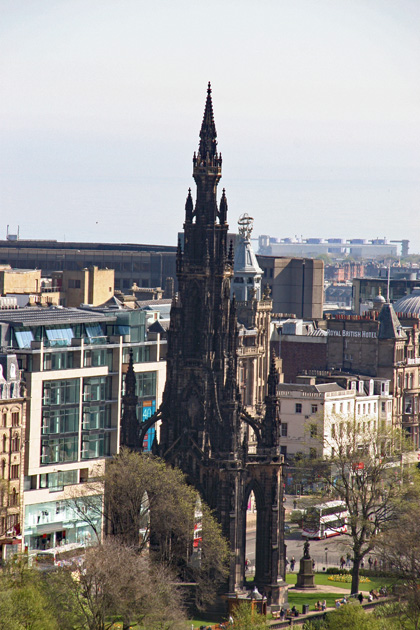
x: 381, y: 345
x: 12, y: 434
x: 72, y: 361
x: 203, y: 420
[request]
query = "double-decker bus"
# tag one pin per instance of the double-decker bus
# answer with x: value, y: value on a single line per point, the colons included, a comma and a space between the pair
x: 325, y: 519
x: 66, y: 555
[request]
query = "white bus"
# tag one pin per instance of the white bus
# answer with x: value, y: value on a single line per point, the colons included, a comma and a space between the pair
x: 325, y: 519
x: 66, y: 555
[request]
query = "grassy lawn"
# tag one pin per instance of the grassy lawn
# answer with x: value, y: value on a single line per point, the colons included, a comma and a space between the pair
x: 297, y: 599
x: 322, y: 579
x: 311, y: 598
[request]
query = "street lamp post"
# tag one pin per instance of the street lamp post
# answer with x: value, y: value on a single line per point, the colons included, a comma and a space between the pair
x: 326, y: 557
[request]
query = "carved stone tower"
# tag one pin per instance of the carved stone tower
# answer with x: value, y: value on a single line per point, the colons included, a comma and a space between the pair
x: 203, y: 424
x: 129, y: 423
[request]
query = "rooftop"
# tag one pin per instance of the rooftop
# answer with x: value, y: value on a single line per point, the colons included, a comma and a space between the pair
x: 39, y: 316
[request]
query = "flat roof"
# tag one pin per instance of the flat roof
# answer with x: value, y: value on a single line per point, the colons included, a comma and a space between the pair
x: 50, y: 316
x: 122, y: 247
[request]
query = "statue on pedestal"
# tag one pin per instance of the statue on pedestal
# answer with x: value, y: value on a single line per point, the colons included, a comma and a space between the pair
x: 305, y: 576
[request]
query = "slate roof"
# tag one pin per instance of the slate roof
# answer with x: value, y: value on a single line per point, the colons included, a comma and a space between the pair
x: 312, y: 389
x: 389, y: 324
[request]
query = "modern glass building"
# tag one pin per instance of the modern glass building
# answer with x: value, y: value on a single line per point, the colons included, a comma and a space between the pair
x: 72, y: 362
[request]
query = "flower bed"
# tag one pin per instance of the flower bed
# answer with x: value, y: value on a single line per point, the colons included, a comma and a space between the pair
x: 345, y: 577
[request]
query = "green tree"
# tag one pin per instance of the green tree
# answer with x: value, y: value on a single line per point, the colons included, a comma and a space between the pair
x: 23, y: 604
x: 246, y: 619
x: 399, y: 546
x: 352, y: 617
x: 149, y: 506
x: 362, y: 467
x: 116, y: 582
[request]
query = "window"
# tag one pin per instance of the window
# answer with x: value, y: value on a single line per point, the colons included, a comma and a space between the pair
x: 97, y: 358
x: 59, y: 336
x: 341, y: 407
x: 56, y: 481
x: 94, y: 331
x: 14, y: 471
x: 61, y: 392
x: 62, y: 420
x: 145, y: 384
x: 141, y: 354
x: 97, y: 388
x: 58, y: 360
x: 96, y: 417
x: 13, y: 498
x: 73, y: 283
x: 298, y: 408
x: 383, y: 407
x: 24, y: 337
x: 15, y: 444
x: 59, y: 450
x: 283, y: 429
x: 15, y: 419
x: 314, y: 408
x: 95, y: 445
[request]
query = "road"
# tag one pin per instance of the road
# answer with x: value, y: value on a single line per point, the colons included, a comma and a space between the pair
x: 326, y: 553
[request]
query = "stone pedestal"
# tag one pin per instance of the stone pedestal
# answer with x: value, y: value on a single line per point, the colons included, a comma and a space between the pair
x: 305, y: 577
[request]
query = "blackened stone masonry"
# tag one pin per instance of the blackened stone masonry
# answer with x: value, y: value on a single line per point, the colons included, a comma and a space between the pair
x: 203, y: 426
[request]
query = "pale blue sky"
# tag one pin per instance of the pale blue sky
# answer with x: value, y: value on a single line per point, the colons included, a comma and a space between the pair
x: 317, y: 108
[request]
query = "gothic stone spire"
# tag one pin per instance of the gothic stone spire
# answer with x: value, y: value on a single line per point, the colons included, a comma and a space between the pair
x: 129, y: 422
x: 208, y: 134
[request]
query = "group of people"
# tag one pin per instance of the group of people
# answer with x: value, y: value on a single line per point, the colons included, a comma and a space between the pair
x: 346, y: 562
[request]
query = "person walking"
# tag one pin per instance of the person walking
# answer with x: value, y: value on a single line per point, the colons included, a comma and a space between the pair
x: 370, y: 562
x: 342, y: 562
x: 360, y: 597
x: 292, y: 563
x: 348, y: 559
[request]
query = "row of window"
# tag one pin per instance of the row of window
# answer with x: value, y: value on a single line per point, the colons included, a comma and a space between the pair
x: 66, y: 392
x: 298, y: 408
x: 66, y: 419
x: 66, y: 449
x: 93, y: 358
x: 15, y: 419
x: 365, y: 408
x: 14, y: 444
x: 14, y: 470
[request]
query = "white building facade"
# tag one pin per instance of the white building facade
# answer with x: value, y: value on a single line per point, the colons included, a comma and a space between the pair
x: 312, y: 416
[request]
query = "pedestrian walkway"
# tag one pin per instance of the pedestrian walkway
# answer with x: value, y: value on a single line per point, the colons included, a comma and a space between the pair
x: 326, y: 588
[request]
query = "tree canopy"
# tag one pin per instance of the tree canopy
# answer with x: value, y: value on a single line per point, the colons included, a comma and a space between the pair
x: 150, y: 507
x: 363, y: 469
